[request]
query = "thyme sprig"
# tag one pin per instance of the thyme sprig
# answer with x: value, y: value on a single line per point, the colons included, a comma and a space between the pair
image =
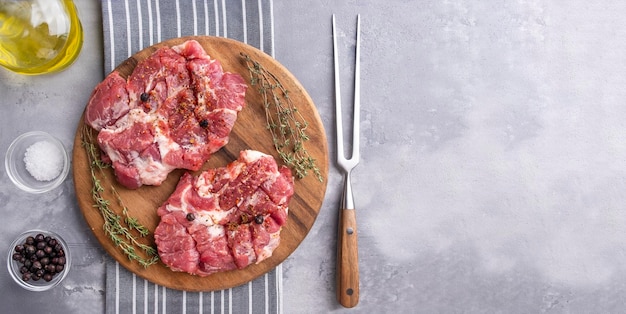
x: 284, y: 121
x: 119, y: 228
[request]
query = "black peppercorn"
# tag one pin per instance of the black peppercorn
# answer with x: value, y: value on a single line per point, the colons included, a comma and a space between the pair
x: 36, y: 266
x: 259, y: 219
x: 41, y: 258
x: 17, y: 256
x: 30, y: 249
x: 144, y: 97
x: 191, y: 217
x: 204, y: 123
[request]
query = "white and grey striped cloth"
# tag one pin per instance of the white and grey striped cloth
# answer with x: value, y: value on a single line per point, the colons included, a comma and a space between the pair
x: 129, y: 26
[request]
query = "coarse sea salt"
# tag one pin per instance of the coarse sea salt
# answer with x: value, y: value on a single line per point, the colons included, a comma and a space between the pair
x: 44, y: 161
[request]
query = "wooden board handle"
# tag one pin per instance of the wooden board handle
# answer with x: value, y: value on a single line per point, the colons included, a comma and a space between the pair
x: 347, y: 259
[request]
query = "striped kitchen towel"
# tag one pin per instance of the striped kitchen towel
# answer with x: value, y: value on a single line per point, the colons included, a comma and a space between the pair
x: 129, y: 26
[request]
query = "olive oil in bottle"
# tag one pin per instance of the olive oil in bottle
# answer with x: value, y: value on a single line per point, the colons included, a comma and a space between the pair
x: 39, y: 36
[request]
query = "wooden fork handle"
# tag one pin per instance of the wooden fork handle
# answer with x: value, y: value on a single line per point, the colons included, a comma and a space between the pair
x: 347, y: 259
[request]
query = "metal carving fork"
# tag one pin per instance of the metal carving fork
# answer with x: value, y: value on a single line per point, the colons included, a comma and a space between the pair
x: 347, y: 245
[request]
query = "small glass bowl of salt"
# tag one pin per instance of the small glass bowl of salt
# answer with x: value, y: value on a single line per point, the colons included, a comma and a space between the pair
x: 37, y: 162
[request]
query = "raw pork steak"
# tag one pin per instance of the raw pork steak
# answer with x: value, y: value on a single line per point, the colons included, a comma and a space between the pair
x: 225, y: 218
x: 175, y: 110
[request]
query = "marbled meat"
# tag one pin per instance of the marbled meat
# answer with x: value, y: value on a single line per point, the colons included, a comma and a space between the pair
x: 225, y: 218
x: 175, y: 109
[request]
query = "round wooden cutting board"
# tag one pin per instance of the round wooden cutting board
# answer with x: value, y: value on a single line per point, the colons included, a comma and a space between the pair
x: 249, y: 132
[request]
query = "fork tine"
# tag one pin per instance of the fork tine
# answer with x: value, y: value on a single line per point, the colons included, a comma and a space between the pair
x: 355, y: 155
x: 357, y: 93
x: 340, y: 153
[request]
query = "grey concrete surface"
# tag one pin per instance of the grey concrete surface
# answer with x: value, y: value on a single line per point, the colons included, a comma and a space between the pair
x: 493, y: 157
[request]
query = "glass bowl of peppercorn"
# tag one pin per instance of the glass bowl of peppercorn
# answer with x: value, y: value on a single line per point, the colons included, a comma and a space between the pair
x: 38, y: 260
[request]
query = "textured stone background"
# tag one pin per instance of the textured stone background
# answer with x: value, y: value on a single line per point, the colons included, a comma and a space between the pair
x: 493, y: 156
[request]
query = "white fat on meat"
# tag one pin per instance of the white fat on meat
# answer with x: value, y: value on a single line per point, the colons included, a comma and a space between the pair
x: 212, y: 215
x: 151, y: 172
x: 268, y: 250
x: 251, y: 156
x: 216, y: 231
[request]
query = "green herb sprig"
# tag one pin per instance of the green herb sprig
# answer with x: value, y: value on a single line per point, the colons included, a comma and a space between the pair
x: 119, y: 228
x: 286, y: 124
